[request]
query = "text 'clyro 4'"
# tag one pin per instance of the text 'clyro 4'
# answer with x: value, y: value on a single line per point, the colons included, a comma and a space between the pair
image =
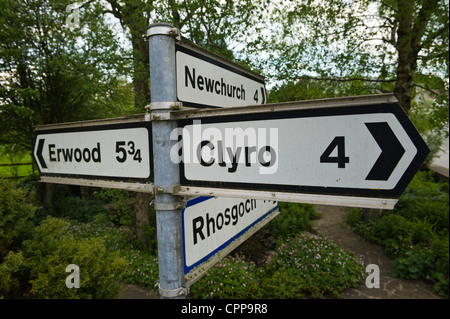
x: 209, y: 146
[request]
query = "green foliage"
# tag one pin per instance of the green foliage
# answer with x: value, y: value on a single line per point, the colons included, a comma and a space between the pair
x: 233, y: 278
x: 142, y: 268
x: 307, y: 88
x: 282, y: 284
x: 55, y: 73
x: 33, y: 260
x: 413, y: 263
x: 292, y: 219
x: 114, y: 238
x: 415, y: 233
x: 78, y: 209
x: 67, y: 203
x: 9, y: 270
x: 323, y: 267
x: 422, y: 262
x: 425, y: 198
x: 440, y: 265
x: 15, y: 214
x: 142, y: 265
x: 353, y: 217
x: 50, y: 251
x: 16, y: 162
x: 355, y: 47
x: 304, y: 265
x: 122, y: 213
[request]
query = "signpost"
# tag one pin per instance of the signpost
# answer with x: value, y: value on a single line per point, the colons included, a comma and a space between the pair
x: 205, y: 79
x: 358, y: 151
x: 352, y: 153
x: 96, y: 153
x: 214, y: 226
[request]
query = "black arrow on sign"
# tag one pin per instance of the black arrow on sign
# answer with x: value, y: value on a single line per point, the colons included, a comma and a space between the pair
x: 39, y: 153
x: 391, y: 151
x: 263, y: 96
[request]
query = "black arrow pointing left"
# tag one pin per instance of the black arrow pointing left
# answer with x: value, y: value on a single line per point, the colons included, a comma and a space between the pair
x: 39, y: 153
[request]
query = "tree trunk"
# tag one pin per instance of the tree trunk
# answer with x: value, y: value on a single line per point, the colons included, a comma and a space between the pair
x: 412, y: 24
x: 49, y: 191
x: 369, y: 215
x: 405, y: 80
x: 143, y: 220
x: 407, y: 64
x: 141, y: 70
x: 132, y: 15
x: 141, y: 77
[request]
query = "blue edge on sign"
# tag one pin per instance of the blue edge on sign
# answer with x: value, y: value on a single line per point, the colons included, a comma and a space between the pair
x: 198, y: 200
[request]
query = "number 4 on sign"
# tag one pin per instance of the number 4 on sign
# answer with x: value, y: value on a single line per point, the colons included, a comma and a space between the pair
x: 340, y: 159
x: 263, y: 96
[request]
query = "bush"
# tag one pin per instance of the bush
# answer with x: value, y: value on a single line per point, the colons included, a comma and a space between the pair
x: 9, y: 273
x: 415, y: 233
x: 122, y: 213
x: 425, y: 198
x: 440, y: 270
x: 394, y: 232
x: 50, y: 251
x: 82, y: 210
x: 16, y: 212
x: 282, y: 284
x: 304, y: 265
x: 142, y: 268
x: 142, y: 265
x: 292, y: 219
x: 426, y: 263
x: 413, y: 264
x: 233, y: 277
x: 353, y: 217
x: 319, y: 267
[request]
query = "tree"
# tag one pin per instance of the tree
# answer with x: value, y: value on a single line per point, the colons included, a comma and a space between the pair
x: 384, y: 42
x: 211, y: 24
x: 208, y: 23
x: 51, y: 73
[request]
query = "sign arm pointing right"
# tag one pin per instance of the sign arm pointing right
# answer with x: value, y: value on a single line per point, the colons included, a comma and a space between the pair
x: 391, y: 151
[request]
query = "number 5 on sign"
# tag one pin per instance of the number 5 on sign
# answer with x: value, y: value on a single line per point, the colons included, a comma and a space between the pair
x: 120, y: 148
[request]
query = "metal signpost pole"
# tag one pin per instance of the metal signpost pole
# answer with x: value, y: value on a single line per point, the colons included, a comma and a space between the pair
x: 168, y: 207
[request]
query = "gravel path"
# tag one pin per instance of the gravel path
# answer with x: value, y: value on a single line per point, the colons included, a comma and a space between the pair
x: 333, y: 226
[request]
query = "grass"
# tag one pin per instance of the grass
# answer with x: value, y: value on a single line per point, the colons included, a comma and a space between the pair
x: 15, y: 168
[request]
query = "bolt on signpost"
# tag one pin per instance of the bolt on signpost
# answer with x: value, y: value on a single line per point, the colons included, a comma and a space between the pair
x: 168, y: 206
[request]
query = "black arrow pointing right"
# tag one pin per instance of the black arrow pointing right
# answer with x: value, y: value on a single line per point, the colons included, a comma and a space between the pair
x: 391, y: 151
x: 39, y: 153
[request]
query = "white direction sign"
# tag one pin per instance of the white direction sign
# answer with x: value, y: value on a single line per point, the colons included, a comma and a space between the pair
x: 365, y: 150
x: 206, y: 80
x: 114, y: 152
x: 213, y: 224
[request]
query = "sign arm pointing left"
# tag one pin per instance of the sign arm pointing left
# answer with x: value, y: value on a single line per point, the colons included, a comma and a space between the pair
x: 39, y: 153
